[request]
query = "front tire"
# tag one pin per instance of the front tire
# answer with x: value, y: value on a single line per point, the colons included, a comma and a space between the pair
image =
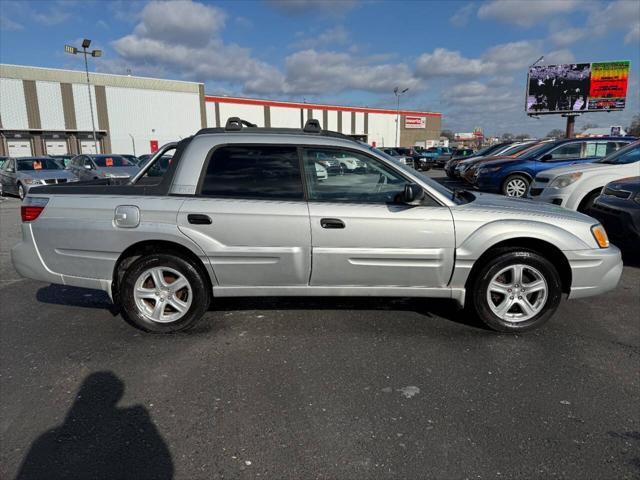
x: 516, y: 291
x: 515, y: 186
x: 21, y: 192
x: 163, y: 293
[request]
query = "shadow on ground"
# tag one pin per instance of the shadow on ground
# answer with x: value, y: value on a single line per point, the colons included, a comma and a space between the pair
x: 99, y: 440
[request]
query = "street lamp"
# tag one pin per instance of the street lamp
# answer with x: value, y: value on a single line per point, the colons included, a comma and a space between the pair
x: 397, y: 92
x: 86, y: 43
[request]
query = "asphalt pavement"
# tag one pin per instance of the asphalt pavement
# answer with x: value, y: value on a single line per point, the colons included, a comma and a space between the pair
x: 314, y: 388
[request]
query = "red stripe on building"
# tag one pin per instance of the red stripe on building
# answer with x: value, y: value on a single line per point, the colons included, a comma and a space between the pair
x: 315, y: 106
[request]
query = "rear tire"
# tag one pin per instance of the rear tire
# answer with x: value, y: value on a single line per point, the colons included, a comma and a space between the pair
x: 515, y: 186
x: 150, y: 303
x: 512, y: 302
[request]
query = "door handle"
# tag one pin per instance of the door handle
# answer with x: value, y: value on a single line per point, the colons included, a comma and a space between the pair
x: 331, y: 223
x: 199, y: 219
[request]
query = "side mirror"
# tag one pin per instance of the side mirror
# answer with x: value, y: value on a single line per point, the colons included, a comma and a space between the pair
x: 412, y: 194
x: 546, y: 157
x: 88, y: 166
x: 10, y: 170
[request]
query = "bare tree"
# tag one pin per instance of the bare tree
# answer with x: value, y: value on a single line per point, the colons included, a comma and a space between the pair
x: 634, y: 128
x: 556, y: 133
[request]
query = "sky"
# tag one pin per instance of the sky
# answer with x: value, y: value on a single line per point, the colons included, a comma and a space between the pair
x: 465, y: 59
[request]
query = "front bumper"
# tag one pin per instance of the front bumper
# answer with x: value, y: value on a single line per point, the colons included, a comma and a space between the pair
x: 621, y: 223
x: 594, y: 271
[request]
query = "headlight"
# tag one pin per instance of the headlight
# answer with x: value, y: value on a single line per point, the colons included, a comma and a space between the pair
x: 565, y: 180
x: 31, y: 181
x: 600, y: 235
x: 489, y: 170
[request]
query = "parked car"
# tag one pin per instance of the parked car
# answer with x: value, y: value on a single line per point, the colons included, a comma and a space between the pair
x: 437, y: 156
x: 462, y: 153
x: 93, y: 167
x: 512, y: 176
x: 451, y: 165
x: 218, y: 226
x: 508, y: 152
x: 2, y: 160
x: 618, y: 208
x: 321, y: 172
x: 159, y: 168
x: 331, y: 164
x: 403, y: 159
x: 577, y: 186
x: 412, y: 153
x: 19, y: 175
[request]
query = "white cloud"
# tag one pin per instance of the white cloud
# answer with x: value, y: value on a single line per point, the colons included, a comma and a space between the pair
x: 633, y: 35
x: 337, y: 35
x: 567, y: 36
x: 525, y: 13
x: 462, y: 16
x: 442, y: 63
x: 315, y: 72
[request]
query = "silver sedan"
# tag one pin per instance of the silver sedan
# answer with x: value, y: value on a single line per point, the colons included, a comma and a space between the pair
x: 19, y: 175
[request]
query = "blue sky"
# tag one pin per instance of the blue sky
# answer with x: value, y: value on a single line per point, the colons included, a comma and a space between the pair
x: 465, y: 59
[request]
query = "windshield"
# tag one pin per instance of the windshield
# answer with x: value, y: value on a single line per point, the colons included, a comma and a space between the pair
x: 38, y: 164
x: 625, y: 155
x: 428, y: 180
x: 112, y: 161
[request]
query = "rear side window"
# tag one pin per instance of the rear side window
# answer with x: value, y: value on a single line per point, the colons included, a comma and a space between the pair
x: 267, y: 172
x: 568, y: 151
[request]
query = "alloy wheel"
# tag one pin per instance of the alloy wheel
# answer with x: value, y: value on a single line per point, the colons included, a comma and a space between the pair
x: 162, y: 294
x: 516, y: 188
x: 517, y: 293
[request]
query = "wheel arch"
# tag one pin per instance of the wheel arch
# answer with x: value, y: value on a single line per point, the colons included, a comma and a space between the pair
x: 543, y: 247
x: 516, y: 172
x: 585, y: 197
x: 145, y: 247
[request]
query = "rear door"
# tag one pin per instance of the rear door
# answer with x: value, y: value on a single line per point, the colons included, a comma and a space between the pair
x: 250, y: 216
x: 361, y: 236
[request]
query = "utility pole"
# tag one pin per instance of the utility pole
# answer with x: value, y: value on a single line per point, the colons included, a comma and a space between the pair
x: 397, y: 92
x: 86, y: 43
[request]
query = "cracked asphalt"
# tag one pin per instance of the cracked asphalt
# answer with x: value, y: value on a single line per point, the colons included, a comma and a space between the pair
x: 314, y: 388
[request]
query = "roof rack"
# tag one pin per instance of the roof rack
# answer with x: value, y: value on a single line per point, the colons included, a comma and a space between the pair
x: 311, y: 127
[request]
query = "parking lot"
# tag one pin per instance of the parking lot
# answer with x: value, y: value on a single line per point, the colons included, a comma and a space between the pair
x: 314, y: 388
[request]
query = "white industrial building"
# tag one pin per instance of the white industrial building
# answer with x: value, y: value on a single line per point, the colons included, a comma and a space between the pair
x: 47, y: 111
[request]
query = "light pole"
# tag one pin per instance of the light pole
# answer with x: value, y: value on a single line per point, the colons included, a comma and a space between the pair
x: 94, y: 53
x: 133, y: 142
x: 397, y: 92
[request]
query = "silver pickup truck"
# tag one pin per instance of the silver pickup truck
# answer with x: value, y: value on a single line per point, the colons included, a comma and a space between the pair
x: 241, y: 212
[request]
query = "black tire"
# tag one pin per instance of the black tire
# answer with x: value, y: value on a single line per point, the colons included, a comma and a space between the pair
x: 21, y: 193
x: 503, y: 258
x: 515, y: 179
x: 199, y: 288
x: 588, y: 201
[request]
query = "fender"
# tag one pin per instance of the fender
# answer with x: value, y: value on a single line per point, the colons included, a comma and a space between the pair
x: 492, y: 233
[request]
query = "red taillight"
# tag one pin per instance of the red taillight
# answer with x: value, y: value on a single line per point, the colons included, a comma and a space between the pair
x: 32, y: 208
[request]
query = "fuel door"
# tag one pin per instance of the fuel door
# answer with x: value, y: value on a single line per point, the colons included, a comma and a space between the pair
x: 126, y: 216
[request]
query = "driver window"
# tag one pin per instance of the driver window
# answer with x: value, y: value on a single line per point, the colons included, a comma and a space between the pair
x: 345, y: 176
x: 565, y: 152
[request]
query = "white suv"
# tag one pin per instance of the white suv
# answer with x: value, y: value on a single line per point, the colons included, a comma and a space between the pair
x: 577, y: 186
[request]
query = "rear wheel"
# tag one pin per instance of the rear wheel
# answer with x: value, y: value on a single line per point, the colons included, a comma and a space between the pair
x: 515, y: 186
x: 516, y: 291
x: 163, y: 293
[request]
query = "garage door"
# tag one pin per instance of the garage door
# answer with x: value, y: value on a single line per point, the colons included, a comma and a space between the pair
x: 87, y: 146
x: 19, y: 148
x: 56, y: 147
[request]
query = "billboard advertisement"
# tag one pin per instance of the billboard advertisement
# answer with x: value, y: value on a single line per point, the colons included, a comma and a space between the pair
x: 577, y: 87
x: 415, y: 122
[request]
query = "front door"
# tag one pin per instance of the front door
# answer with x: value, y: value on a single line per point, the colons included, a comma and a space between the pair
x: 362, y: 235
x: 250, y: 217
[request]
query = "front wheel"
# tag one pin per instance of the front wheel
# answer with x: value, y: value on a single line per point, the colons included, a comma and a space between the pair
x: 515, y: 186
x: 518, y: 290
x: 21, y: 193
x: 163, y: 293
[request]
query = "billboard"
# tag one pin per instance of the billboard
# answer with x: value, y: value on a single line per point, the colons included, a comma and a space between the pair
x: 415, y: 122
x: 577, y: 87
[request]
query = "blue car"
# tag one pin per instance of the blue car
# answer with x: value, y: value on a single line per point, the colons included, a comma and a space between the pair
x: 512, y: 176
